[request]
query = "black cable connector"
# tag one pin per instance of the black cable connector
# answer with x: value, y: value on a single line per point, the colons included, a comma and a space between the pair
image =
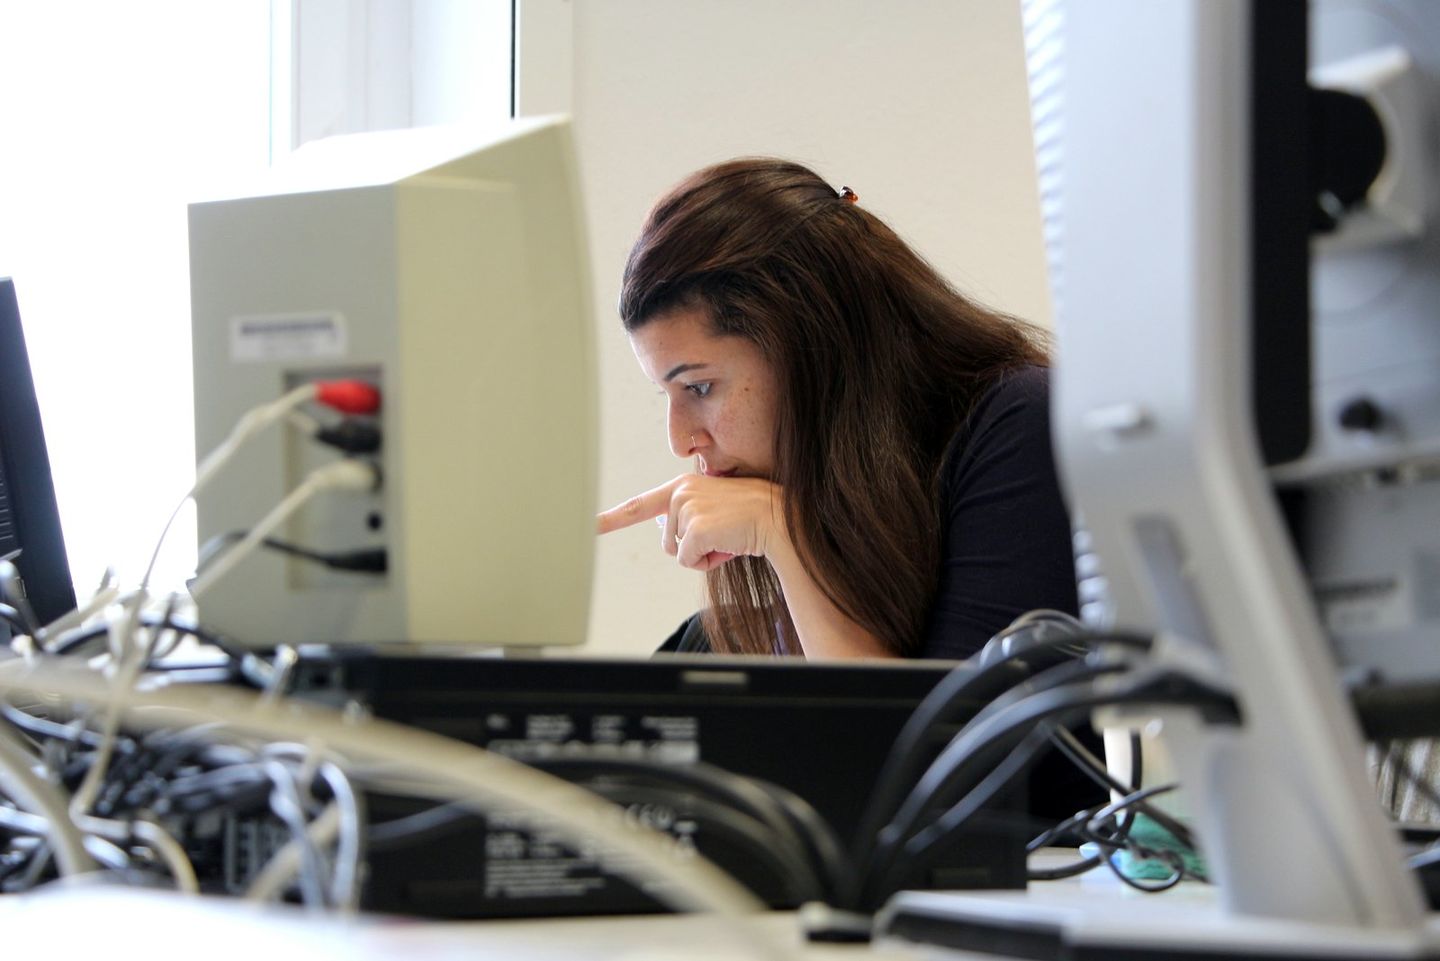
x: 351, y: 436
x: 12, y: 594
x: 17, y: 621
x: 363, y: 560
x: 373, y: 560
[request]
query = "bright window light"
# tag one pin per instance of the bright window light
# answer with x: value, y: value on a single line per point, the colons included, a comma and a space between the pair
x: 114, y: 117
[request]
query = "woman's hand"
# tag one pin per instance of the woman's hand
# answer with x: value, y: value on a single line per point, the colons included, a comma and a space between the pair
x: 707, y: 520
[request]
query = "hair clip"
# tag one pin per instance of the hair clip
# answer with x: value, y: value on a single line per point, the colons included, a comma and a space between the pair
x: 848, y: 195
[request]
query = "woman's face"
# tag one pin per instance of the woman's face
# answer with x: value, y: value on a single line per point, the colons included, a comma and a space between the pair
x: 721, y: 393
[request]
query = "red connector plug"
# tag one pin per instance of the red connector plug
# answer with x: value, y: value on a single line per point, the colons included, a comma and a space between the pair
x: 348, y: 396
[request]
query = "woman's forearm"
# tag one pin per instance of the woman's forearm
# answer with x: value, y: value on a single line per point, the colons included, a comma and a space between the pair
x: 823, y: 629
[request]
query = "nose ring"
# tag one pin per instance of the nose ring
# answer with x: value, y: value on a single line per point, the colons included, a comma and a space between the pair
x: 692, y: 441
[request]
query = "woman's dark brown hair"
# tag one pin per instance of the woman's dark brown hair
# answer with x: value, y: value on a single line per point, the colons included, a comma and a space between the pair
x: 877, y: 362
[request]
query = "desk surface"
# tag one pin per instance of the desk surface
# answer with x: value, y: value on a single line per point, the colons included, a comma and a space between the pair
x: 109, y: 922
x: 121, y: 924
x: 112, y: 923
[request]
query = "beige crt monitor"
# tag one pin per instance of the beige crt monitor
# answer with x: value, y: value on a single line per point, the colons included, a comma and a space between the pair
x: 448, y: 267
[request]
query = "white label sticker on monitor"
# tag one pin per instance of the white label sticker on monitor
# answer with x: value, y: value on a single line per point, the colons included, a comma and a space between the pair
x: 287, y: 337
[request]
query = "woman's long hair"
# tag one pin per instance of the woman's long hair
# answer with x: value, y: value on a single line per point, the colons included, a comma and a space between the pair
x: 877, y: 362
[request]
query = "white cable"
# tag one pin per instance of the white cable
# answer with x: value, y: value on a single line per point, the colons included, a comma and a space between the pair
x: 54, y: 633
x: 154, y: 836
x: 41, y: 798
x: 280, y: 870
x: 286, y: 805
x: 350, y: 851
x: 341, y: 475
x: 124, y: 641
x: 248, y: 426
x: 170, y: 851
x: 23, y: 646
x: 131, y: 662
x: 303, y: 422
x: 467, y: 774
x: 23, y: 821
x: 106, y: 853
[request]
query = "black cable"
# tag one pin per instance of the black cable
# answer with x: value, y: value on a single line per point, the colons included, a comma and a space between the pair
x: 77, y: 640
x: 11, y: 861
x: 237, y: 787
x: 1137, y: 759
x: 807, y: 836
x: 957, y: 689
x: 1120, y: 839
x: 922, y: 849
x: 16, y: 620
x: 820, y: 839
x: 1077, y: 824
x: 728, y: 825
x: 996, y: 731
x: 360, y: 560
x: 739, y: 793
x: 1396, y: 755
x: 33, y: 868
x: 1083, y: 866
x: 1003, y: 664
x: 1073, y: 825
x: 729, y: 788
x: 415, y: 828
x: 42, y: 727
x: 919, y: 845
x: 363, y: 560
x: 1081, y: 757
x: 941, y: 782
x: 12, y: 593
x: 961, y: 766
x: 240, y: 797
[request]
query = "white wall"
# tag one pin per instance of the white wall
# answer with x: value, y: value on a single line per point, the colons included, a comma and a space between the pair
x: 919, y: 105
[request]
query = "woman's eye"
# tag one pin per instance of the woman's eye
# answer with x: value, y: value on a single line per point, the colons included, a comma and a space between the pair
x: 699, y: 390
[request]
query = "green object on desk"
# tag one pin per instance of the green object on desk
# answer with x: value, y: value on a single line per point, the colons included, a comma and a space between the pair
x: 1147, y: 832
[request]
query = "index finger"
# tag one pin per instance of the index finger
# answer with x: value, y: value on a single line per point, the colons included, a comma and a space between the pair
x: 642, y: 507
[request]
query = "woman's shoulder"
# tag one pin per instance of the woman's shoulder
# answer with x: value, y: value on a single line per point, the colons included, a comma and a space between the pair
x: 1020, y: 396
x: 1028, y: 384
x: 1008, y: 428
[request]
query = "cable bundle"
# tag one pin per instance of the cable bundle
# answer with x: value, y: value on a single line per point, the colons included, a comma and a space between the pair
x: 1010, y: 704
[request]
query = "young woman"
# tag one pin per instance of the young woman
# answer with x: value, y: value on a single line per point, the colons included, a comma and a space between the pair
x: 875, y: 476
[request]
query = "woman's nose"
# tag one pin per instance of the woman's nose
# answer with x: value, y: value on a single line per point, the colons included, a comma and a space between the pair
x: 682, y: 437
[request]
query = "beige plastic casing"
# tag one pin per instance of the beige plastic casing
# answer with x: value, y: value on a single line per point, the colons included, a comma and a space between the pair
x: 448, y: 266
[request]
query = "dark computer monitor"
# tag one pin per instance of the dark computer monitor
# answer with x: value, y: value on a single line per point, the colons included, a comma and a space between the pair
x: 30, y: 532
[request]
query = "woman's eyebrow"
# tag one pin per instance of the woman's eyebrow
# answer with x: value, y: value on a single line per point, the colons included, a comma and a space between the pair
x: 680, y: 369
